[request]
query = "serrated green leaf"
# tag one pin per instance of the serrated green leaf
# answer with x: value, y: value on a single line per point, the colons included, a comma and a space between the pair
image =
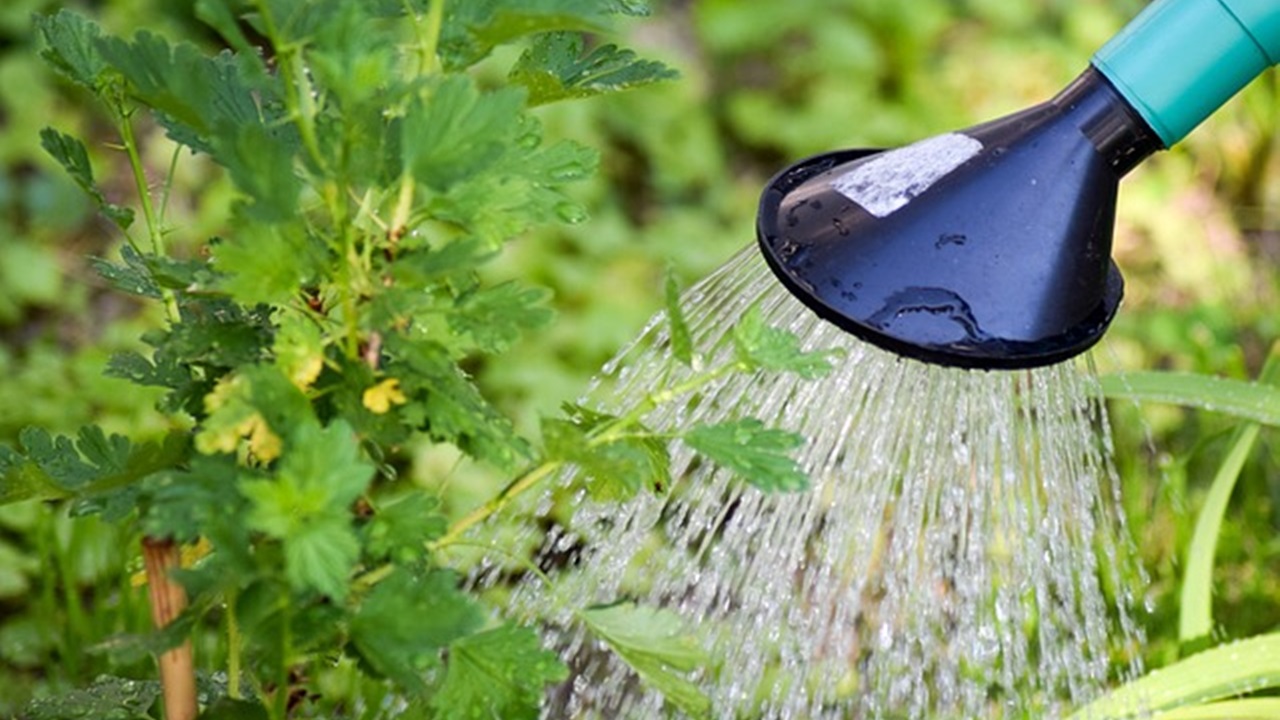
x: 444, y: 402
x: 218, y: 15
x: 22, y: 479
x: 681, y: 340
x: 554, y: 68
x: 424, y: 266
x: 261, y: 162
x: 74, y: 158
x: 197, y: 96
x: 307, y: 506
x: 321, y: 556
x: 655, y: 644
x: 71, y: 47
x: 613, y: 470
x: 93, y: 464
x: 495, y: 317
x: 474, y: 28
x: 133, y: 277
x: 199, y: 500
x: 520, y: 191
x: 402, y: 526
x: 216, y: 332
x: 762, y: 347
x: 499, y: 673
x: 757, y: 453
x: 457, y: 131
x: 267, y: 263
x: 108, y: 698
x: 401, y: 626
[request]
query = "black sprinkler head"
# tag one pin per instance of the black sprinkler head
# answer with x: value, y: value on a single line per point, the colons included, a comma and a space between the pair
x: 985, y: 248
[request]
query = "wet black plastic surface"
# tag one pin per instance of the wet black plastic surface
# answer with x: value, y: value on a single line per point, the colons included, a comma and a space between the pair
x: 1004, y: 262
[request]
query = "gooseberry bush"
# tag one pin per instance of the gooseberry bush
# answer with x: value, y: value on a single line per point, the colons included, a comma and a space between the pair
x: 329, y: 328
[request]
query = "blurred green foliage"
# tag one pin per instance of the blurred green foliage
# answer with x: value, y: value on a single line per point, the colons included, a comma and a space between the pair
x: 762, y: 84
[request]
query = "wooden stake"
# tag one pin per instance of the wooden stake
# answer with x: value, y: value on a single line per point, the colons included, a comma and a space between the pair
x: 168, y: 600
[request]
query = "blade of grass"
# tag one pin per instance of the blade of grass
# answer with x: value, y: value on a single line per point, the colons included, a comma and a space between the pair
x: 1195, y: 609
x: 1245, y: 400
x: 1252, y: 709
x: 1232, y: 669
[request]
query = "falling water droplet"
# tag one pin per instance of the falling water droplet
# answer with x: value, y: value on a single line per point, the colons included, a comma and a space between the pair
x: 943, y: 562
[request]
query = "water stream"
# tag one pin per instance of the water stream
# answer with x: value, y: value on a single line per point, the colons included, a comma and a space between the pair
x: 958, y: 554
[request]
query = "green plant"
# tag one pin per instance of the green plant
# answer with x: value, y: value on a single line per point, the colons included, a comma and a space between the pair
x: 328, y: 329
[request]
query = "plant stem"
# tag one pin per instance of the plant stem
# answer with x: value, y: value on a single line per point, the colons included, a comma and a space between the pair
x: 429, y: 38
x: 75, y: 631
x: 154, y: 230
x: 168, y: 600
x: 298, y: 102
x: 497, y: 503
x: 234, y: 646
x: 140, y: 181
x: 280, y: 703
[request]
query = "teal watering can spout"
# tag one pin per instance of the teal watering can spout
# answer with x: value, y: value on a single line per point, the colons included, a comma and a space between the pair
x: 1180, y: 60
x: 990, y: 247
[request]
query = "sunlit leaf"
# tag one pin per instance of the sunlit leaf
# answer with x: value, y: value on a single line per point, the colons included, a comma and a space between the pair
x: 681, y: 340
x: 1239, y: 398
x: 762, y: 347
x: 498, y: 673
x: 759, y: 454
x: 556, y: 68
x: 1225, y: 671
x: 654, y: 642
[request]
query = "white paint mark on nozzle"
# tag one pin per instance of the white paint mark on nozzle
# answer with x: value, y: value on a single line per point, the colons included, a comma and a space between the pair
x: 888, y: 181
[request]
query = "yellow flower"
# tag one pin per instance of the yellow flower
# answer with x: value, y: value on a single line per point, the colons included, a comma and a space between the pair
x: 382, y: 396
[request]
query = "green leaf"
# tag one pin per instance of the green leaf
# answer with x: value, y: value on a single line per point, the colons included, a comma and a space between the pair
x: 1251, y: 709
x: 681, y: 340
x: 496, y: 316
x: 74, y: 158
x: 321, y: 556
x: 200, y: 500
x: 474, y: 28
x: 761, y: 347
x: 198, y: 96
x: 133, y: 277
x: 1225, y: 671
x: 499, y: 673
x: 655, y: 644
x: 757, y: 453
x: 554, y: 68
x: 93, y: 464
x: 216, y: 332
x: 402, y: 526
x: 612, y: 469
x: 267, y: 263
x: 1195, y: 609
x: 458, y: 131
x: 308, y: 505
x: 1238, y: 398
x: 444, y: 402
x: 261, y: 162
x: 71, y: 47
x: 108, y: 698
x: 401, y: 626
x: 228, y: 709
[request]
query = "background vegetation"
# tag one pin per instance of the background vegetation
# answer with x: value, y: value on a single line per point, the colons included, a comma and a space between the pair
x: 682, y: 163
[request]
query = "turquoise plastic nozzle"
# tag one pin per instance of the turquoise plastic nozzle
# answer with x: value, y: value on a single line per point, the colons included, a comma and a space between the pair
x: 1180, y: 60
